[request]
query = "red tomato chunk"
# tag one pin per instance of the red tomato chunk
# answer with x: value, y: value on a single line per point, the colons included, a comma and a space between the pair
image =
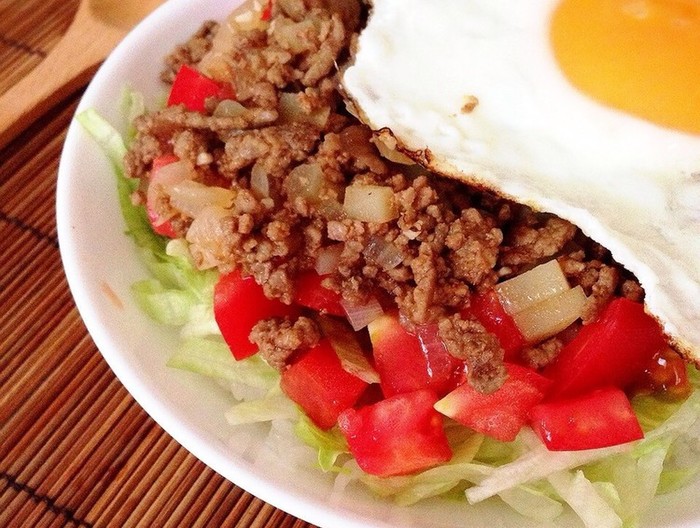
x: 311, y: 293
x: 240, y: 303
x: 318, y: 383
x: 601, y: 418
x: 500, y: 414
x: 408, y: 362
x: 487, y: 309
x: 666, y: 373
x: 397, y: 436
x: 267, y: 11
x: 192, y: 89
x: 612, y: 351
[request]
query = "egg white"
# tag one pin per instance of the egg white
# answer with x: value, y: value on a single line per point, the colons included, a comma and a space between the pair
x: 627, y: 183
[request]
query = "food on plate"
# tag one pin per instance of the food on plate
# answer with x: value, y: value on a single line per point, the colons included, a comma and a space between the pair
x: 588, y: 110
x: 424, y: 336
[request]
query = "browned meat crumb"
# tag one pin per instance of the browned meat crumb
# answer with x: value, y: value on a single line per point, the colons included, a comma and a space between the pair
x: 469, y: 341
x: 447, y: 241
x: 599, y: 281
x: 534, y: 240
x: 274, y: 148
x: 278, y: 339
x: 475, y: 243
x: 191, y: 52
x: 632, y: 290
x: 542, y: 354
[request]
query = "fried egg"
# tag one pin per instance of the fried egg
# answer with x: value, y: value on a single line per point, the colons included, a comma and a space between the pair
x: 588, y: 109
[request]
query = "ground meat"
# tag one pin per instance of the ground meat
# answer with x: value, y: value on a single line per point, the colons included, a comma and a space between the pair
x: 475, y: 244
x: 274, y: 148
x: 191, y: 52
x: 599, y: 281
x: 173, y: 119
x: 542, y: 354
x: 285, y: 157
x: 192, y: 146
x: 142, y: 151
x: 632, y: 290
x: 278, y: 339
x: 469, y: 341
x: 533, y: 239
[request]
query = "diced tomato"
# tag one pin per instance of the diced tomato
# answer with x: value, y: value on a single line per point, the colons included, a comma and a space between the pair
x: 500, y: 414
x: 164, y: 228
x: 612, y: 351
x: 312, y: 294
x: 486, y: 308
x: 163, y: 160
x: 666, y: 374
x: 407, y: 362
x: 267, y: 11
x: 600, y: 418
x: 192, y: 88
x: 240, y: 303
x: 397, y: 436
x: 319, y: 384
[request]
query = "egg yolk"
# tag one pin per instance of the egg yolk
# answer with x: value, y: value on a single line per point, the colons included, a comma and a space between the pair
x: 639, y: 56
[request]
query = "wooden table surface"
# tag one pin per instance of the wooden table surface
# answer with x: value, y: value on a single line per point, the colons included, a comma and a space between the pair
x: 75, y: 448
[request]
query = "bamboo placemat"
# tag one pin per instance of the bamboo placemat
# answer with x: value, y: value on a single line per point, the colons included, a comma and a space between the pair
x: 75, y: 448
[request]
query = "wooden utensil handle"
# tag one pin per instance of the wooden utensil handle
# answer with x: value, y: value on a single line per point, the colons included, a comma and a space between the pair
x: 66, y: 68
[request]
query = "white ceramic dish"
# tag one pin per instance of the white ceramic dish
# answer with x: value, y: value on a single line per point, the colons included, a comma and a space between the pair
x: 98, y: 258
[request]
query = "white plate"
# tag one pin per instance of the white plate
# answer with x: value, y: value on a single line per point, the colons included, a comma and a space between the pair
x: 98, y: 258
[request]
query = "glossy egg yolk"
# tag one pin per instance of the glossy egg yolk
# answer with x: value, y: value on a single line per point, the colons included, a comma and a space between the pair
x: 639, y: 56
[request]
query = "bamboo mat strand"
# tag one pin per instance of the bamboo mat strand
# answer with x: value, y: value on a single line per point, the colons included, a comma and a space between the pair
x: 75, y: 449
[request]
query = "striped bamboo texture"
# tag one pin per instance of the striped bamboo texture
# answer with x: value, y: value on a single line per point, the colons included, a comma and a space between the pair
x: 75, y: 448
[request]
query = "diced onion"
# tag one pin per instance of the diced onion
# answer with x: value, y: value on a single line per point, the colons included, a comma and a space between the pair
x: 162, y: 180
x: 178, y: 247
x: 382, y: 253
x: 370, y: 203
x: 229, y: 108
x: 346, y: 345
x: 190, y: 197
x: 387, y: 148
x: 206, y: 234
x: 291, y: 111
x: 259, y: 181
x: 551, y: 316
x: 533, y: 286
x: 305, y: 181
x: 328, y: 259
x: 248, y: 17
x: 216, y: 63
x: 360, y: 315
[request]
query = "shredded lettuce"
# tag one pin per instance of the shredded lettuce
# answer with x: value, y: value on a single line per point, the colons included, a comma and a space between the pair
x: 135, y: 218
x: 177, y: 293
x: 273, y: 406
x: 330, y: 444
x: 212, y: 357
x: 532, y: 502
x: 132, y: 105
x: 609, y: 487
x: 582, y: 496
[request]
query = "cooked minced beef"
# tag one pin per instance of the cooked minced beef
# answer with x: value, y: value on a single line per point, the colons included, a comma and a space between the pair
x: 467, y: 340
x: 447, y: 240
x: 543, y: 353
x: 191, y: 52
x: 278, y: 339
